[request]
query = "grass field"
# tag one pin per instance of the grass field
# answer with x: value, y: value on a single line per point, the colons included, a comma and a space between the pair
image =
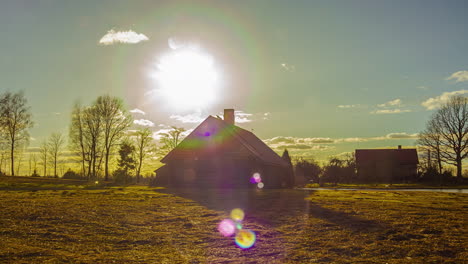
x: 69, y: 222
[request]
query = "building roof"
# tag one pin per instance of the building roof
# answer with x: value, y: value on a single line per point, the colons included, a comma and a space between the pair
x: 402, y: 156
x: 215, y: 132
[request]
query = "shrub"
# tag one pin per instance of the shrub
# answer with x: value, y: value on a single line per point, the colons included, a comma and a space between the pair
x: 70, y: 174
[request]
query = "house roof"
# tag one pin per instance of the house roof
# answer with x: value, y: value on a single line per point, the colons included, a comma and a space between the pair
x: 403, y: 156
x: 214, y: 132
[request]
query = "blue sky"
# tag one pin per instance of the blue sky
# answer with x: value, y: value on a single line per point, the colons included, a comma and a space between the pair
x: 320, y: 77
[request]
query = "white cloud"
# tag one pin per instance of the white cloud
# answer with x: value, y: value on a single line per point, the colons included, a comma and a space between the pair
x: 459, y: 76
x: 282, y: 141
x: 128, y: 37
x: 390, y: 111
x: 143, y: 122
x: 401, y: 135
x: 288, y: 67
x: 190, y: 118
x: 437, y: 102
x: 137, y: 111
x: 242, y: 117
x: 349, y: 106
x: 396, y: 102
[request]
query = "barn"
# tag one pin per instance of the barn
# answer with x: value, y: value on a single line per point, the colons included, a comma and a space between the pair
x: 219, y: 154
x: 386, y: 165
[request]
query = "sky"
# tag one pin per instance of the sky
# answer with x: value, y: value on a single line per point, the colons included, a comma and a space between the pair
x: 319, y: 78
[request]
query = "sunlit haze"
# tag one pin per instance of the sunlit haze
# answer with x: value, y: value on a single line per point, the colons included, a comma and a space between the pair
x: 186, y: 78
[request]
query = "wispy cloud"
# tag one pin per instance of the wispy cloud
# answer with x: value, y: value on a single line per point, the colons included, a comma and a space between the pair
x: 126, y: 37
x: 390, y: 107
x: 242, y: 117
x: 137, y: 111
x: 396, y: 102
x: 288, y: 67
x: 143, y: 122
x: 437, y: 102
x: 459, y: 76
x: 390, y: 111
x: 350, y: 106
x: 189, y: 118
x: 284, y: 141
x: 401, y: 135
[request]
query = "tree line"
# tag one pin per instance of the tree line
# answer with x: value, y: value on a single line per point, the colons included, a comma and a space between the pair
x: 102, y: 131
x: 444, y: 141
x: 98, y: 134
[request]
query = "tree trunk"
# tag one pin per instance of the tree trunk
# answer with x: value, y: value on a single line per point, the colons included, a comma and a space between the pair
x: 106, y: 165
x: 12, y: 157
x: 459, y: 169
x: 138, y: 171
x: 55, y: 166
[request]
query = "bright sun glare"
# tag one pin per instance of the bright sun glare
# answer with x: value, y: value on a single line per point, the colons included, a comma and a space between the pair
x: 187, y: 79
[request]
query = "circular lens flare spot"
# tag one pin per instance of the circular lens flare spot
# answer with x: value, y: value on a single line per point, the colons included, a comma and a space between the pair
x: 245, y: 238
x: 257, y: 177
x: 237, y: 214
x: 260, y: 185
x: 227, y: 227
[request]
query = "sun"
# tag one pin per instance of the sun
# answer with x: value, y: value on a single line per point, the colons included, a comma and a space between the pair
x: 187, y: 79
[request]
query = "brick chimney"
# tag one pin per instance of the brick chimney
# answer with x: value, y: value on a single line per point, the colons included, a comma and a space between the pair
x: 229, y: 116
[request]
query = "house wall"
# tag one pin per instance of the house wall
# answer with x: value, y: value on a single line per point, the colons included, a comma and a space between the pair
x: 220, y: 172
x: 386, y: 172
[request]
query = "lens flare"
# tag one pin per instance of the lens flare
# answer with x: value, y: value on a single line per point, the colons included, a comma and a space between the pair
x: 237, y: 214
x: 245, y: 238
x: 257, y: 177
x: 260, y: 185
x: 227, y: 227
x: 239, y: 226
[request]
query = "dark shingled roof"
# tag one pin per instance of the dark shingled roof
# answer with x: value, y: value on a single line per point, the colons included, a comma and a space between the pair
x: 403, y: 156
x: 215, y: 127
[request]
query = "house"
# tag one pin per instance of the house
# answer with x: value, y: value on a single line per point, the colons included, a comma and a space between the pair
x: 219, y: 154
x: 386, y: 165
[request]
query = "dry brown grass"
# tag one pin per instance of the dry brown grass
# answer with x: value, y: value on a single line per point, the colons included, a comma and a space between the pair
x: 146, y: 225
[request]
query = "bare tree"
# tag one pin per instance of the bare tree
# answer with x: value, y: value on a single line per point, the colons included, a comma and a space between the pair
x: 115, y: 120
x: 450, y: 122
x: 93, y: 129
x: 431, y: 140
x: 76, y: 135
x: 55, y: 143
x: 19, y: 158
x: 33, y: 158
x: 3, y: 153
x: 44, y: 150
x: 15, y: 122
x: 171, y: 139
x: 143, y: 146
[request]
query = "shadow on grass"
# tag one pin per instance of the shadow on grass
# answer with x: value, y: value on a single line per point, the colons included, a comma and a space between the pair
x: 273, y: 207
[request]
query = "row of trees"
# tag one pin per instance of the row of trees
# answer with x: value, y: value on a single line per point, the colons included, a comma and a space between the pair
x: 336, y: 170
x: 95, y: 130
x: 94, y: 135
